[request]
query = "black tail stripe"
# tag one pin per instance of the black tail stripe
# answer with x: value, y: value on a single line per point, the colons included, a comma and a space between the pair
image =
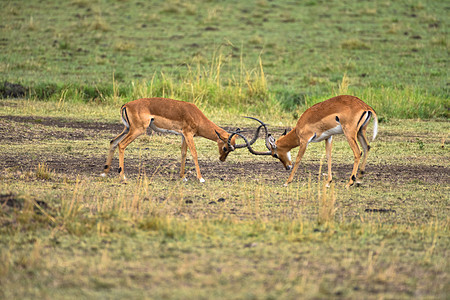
x: 369, y: 114
x: 126, y: 115
x: 360, y: 119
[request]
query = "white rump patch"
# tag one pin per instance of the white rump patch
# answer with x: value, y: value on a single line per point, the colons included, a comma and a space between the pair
x: 125, y: 123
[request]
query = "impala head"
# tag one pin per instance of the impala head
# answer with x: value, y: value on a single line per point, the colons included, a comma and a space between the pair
x: 226, y: 145
x: 276, y: 151
x: 283, y: 154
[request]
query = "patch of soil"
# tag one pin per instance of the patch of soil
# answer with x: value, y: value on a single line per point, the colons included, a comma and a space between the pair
x: 267, y: 169
x: 115, y: 128
x: 26, y: 128
x: 65, y: 123
x: 17, y: 128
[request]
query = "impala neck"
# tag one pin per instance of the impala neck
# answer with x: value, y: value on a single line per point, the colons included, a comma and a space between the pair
x: 208, y: 130
x: 288, y: 141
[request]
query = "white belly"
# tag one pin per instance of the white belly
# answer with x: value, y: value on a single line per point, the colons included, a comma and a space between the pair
x: 326, y: 134
x: 162, y: 130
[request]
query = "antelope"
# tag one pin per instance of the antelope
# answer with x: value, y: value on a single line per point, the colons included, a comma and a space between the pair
x: 345, y: 114
x: 170, y: 116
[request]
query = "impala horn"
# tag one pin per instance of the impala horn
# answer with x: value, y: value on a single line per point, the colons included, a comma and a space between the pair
x: 252, y: 141
x: 268, y: 139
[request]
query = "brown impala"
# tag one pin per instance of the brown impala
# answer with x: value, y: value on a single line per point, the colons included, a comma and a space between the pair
x: 346, y: 115
x: 170, y: 116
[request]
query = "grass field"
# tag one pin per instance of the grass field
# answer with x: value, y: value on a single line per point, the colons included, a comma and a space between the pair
x: 66, y: 232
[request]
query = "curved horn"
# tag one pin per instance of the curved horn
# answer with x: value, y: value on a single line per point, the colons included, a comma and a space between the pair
x: 268, y: 146
x: 231, y: 147
x: 249, y: 147
x: 253, y: 140
x: 262, y: 124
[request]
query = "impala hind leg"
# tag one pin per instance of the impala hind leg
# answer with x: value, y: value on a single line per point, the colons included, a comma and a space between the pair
x: 112, y: 148
x: 357, y: 155
x: 362, y: 138
x: 131, y: 136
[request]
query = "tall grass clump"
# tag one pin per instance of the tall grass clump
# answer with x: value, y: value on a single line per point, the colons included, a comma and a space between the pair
x: 406, y: 103
x: 207, y: 87
x: 221, y: 84
x: 326, y: 199
x: 390, y: 102
x: 43, y: 172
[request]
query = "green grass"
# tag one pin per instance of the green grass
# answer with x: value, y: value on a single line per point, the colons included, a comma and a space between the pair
x: 394, y: 49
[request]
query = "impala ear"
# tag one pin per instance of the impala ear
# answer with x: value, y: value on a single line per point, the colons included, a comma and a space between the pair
x: 221, y: 138
x: 271, y: 141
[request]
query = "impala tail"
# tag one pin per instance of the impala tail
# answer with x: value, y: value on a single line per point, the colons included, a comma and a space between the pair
x: 375, y: 126
x: 366, y: 116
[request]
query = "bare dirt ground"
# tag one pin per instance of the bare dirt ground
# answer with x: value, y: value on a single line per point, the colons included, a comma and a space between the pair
x: 18, y: 129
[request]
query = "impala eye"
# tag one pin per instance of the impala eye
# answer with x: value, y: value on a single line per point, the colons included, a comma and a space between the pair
x: 225, y: 149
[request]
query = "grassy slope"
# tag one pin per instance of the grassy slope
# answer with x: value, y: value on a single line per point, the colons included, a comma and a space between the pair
x: 306, y: 48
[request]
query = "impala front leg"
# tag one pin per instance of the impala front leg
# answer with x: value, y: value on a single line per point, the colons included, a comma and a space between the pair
x: 300, y: 154
x: 357, y: 154
x: 190, y: 143
x: 362, y: 138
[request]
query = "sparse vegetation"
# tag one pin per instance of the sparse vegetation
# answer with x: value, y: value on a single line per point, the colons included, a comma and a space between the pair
x: 237, y: 232
x: 43, y: 172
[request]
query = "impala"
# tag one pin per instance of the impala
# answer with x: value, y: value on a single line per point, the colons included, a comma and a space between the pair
x: 170, y: 116
x: 346, y: 115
